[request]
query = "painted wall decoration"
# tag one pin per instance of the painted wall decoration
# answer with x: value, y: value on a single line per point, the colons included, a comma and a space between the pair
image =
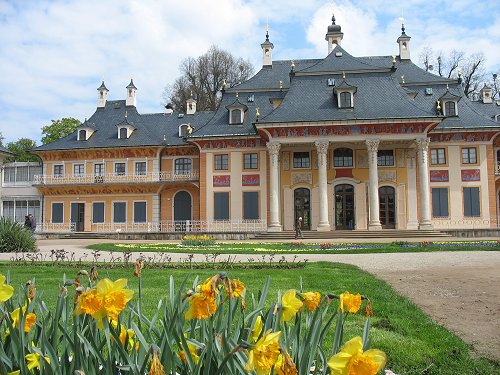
x: 250, y: 180
x: 301, y: 177
x: 99, y: 154
x: 285, y: 160
x: 439, y: 176
x: 222, y: 181
x: 387, y: 175
x: 343, y: 172
x: 311, y: 131
x: 462, y: 137
x: 471, y: 175
x: 231, y: 143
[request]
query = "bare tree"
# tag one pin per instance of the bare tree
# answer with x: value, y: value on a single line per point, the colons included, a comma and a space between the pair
x: 471, y: 68
x: 204, y: 77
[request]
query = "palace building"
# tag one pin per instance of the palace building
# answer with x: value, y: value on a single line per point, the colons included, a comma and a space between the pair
x: 345, y: 142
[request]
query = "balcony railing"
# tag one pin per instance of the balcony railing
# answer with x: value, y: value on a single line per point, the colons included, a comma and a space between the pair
x: 466, y: 223
x: 195, y: 226
x: 111, y: 178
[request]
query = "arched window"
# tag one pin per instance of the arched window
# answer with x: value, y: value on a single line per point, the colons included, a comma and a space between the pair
x: 450, y: 108
x: 82, y: 135
x: 345, y: 100
x: 123, y: 133
x: 236, y: 116
x: 343, y: 157
x: 183, y: 166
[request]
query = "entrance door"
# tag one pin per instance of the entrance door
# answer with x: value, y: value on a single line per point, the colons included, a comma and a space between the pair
x: 78, y: 216
x: 302, y: 199
x: 344, y: 207
x: 387, y: 197
x: 182, y: 211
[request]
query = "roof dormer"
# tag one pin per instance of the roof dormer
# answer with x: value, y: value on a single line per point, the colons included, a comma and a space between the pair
x: 102, y: 96
x: 236, y: 112
x: 404, y: 44
x: 185, y: 130
x: 486, y: 94
x: 449, y: 103
x: 125, y: 128
x: 84, y: 131
x: 345, y: 94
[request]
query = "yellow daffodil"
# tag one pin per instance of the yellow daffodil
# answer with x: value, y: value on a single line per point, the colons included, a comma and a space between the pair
x: 30, y: 319
x: 156, y: 366
x: 350, y: 302
x: 209, y: 287
x: 6, y: 290
x: 126, y: 335
x: 17, y: 372
x: 290, y: 305
x: 311, y: 300
x: 352, y: 360
x: 236, y: 287
x: 107, y: 300
x: 201, y: 306
x: 257, y: 329
x: 192, y: 350
x: 285, y: 365
x: 33, y: 360
x: 264, y: 353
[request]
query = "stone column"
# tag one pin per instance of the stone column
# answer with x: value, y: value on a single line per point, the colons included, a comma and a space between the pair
x: 273, y: 148
x: 322, y: 149
x: 425, y: 212
x: 374, y: 221
x: 411, y: 171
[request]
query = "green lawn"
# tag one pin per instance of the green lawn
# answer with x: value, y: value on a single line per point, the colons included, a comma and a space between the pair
x: 301, y: 247
x: 413, y: 342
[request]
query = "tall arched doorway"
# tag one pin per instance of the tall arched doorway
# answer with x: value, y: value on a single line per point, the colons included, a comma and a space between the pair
x: 302, y: 207
x: 344, y: 206
x: 182, y: 210
x: 387, y: 199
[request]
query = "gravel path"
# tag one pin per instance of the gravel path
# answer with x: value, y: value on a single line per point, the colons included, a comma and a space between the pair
x: 460, y: 290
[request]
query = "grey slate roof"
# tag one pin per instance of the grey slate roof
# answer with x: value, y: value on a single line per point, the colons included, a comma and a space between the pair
x: 150, y: 129
x: 378, y: 96
x: 490, y: 109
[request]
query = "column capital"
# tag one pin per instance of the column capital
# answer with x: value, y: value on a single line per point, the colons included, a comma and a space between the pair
x: 372, y: 144
x: 422, y: 143
x: 322, y: 147
x: 273, y: 147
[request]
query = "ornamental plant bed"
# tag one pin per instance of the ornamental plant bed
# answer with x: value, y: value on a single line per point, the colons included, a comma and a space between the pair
x: 303, y: 247
x: 411, y: 341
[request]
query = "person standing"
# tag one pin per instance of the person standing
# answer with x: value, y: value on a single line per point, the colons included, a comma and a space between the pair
x: 27, y: 222
x: 298, y: 228
x: 32, y: 224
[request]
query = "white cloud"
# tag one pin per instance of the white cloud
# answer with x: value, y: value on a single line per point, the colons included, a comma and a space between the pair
x: 53, y: 54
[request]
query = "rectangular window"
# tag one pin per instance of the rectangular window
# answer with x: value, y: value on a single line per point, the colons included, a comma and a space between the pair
x: 250, y: 205
x: 78, y: 169
x: 22, y: 174
x: 250, y: 161
x: 385, y: 158
x: 139, y: 212
x: 58, y: 170
x: 57, y: 213
x: 119, y: 169
x: 222, y: 162
x: 99, y: 169
x: 469, y: 155
x: 9, y: 174
x: 301, y: 160
x: 119, y: 212
x: 440, y: 202
x: 438, y: 156
x: 182, y: 166
x: 221, y: 206
x: 140, y: 168
x: 21, y: 210
x: 34, y: 170
x: 471, y: 202
x: 98, y: 212
x: 8, y: 209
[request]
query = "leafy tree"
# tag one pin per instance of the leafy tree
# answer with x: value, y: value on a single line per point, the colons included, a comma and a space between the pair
x: 22, y: 150
x: 203, y: 77
x: 59, y: 129
x: 470, y: 68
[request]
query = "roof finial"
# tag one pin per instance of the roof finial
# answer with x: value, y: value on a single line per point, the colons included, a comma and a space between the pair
x: 402, y: 19
x: 333, y: 19
x: 237, y: 95
x: 126, y: 114
x: 267, y: 31
x: 343, y: 75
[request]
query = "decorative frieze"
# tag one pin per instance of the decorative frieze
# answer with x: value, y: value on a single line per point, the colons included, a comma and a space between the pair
x: 302, y: 177
x: 387, y: 176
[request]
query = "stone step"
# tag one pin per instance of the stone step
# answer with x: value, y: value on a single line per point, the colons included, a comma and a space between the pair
x: 390, y: 233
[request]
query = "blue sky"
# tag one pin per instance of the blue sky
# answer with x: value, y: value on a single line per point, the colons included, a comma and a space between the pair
x: 54, y: 54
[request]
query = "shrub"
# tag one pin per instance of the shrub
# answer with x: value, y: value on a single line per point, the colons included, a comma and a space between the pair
x: 98, y: 327
x: 14, y: 237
